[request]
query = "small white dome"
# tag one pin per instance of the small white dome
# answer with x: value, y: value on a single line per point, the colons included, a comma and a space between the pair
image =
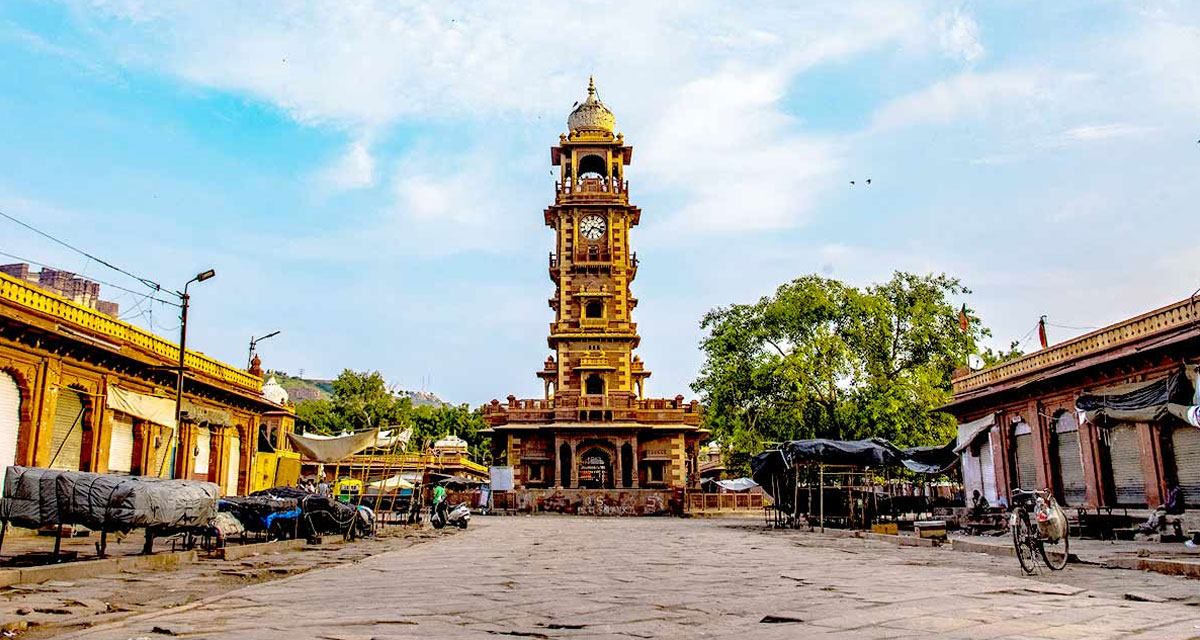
x: 274, y: 392
x: 452, y: 443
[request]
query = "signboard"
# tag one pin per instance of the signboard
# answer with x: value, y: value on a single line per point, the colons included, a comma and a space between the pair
x: 502, y: 478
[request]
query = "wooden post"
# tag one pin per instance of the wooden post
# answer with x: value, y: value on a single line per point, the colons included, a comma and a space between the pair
x: 57, y: 541
x: 821, y: 489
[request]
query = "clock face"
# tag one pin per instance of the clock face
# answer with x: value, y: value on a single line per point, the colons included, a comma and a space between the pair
x: 592, y: 227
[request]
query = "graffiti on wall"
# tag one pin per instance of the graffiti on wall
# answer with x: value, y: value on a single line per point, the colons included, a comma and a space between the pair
x: 584, y: 502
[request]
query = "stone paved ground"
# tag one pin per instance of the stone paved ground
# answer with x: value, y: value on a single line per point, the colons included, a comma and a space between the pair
x: 561, y: 577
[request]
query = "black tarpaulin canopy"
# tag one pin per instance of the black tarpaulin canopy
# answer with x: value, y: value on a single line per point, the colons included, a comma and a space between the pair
x: 1138, y: 401
x: 876, y: 452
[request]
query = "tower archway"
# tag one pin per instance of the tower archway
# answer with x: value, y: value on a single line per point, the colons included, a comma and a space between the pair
x: 595, y: 469
x: 564, y: 465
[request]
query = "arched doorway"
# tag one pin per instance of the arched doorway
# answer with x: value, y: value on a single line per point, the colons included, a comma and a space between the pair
x: 1071, y: 485
x: 594, y: 385
x: 564, y: 465
x: 10, y: 419
x: 66, y: 438
x: 595, y: 470
x: 234, y: 469
x: 626, y: 465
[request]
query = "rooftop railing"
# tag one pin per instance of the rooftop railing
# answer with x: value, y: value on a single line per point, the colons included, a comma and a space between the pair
x: 85, y: 323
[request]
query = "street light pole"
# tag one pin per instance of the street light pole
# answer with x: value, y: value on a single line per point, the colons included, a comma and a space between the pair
x: 183, y: 317
x: 254, y: 343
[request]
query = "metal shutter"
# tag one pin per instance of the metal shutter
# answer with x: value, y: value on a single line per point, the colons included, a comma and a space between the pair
x: 10, y: 420
x: 204, y: 448
x: 988, y: 471
x: 160, y: 465
x: 235, y: 463
x: 1070, y: 468
x: 1026, y: 462
x: 1125, y: 462
x: 120, y: 446
x: 1185, y: 441
x: 66, y: 441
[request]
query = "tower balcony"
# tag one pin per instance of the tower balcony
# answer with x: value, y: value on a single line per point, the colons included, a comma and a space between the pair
x: 602, y: 189
x: 616, y: 408
x: 553, y: 268
x: 601, y: 326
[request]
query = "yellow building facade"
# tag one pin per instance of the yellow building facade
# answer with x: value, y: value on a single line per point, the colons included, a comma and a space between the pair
x: 80, y: 390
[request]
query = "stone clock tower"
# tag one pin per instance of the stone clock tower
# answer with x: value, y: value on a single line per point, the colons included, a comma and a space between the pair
x: 594, y: 436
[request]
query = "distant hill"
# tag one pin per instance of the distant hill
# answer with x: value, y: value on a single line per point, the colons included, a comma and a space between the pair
x: 306, y: 389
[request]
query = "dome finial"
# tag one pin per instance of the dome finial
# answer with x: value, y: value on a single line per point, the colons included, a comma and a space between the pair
x: 591, y: 114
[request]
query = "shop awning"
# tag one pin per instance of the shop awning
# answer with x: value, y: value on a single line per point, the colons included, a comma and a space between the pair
x: 160, y: 411
x: 200, y: 414
x: 969, y: 432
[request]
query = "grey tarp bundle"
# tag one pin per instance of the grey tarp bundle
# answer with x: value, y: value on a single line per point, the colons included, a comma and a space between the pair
x: 333, y: 449
x: 35, y: 497
x: 1136, y: 402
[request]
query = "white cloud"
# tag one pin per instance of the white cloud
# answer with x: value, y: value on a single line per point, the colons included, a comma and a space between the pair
x: 355, y: 169
x: 700, y: 87
x: 968, y: 94
x: 958, y: 35
x: 750, y: 171
x: 1105, y: 132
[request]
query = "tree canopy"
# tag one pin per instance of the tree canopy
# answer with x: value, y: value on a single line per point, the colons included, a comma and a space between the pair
x: 821, y: 358
x: 362, y: 400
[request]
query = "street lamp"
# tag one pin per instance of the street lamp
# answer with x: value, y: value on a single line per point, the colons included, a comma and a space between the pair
x: 254, y: 343
x: 184, y: 299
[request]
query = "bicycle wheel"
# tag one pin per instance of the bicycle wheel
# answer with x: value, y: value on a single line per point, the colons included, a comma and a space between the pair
x: 1055, y: 554
x: 1024, y: 540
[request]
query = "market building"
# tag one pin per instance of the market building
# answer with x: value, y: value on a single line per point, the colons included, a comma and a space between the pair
x: 1101, y: 419
x: 82, y: 390
x: 594, y: 441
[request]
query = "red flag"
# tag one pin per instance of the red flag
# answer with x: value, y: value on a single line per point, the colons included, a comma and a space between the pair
x: 1042, y: 331
x: 963, y: 320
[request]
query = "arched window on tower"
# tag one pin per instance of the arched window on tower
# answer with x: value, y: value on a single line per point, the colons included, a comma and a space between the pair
x: 594, y: 385
x: 592, y: 166
x: 594, y: 309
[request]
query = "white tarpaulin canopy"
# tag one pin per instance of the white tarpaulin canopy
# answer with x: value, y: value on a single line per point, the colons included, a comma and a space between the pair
x: 968, y: 432
x: 333, y: 448
x: 737, y: 484
x: 394, y: 482
x: 160, y: 411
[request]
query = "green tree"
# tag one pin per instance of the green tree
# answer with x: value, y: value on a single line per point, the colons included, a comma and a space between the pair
x: 992, y: 358
x: 820, y: 358
x: 359, y: 401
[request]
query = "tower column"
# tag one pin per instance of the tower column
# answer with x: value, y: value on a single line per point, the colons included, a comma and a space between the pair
x: 574, y: 467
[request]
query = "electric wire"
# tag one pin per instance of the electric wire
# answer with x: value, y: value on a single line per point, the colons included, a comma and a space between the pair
x: 107, y: 284
x: 146, y: 281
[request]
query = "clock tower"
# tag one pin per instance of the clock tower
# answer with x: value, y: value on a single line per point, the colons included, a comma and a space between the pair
x: 594, y: 430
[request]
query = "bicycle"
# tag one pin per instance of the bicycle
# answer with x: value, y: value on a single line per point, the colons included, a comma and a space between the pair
x: 1031, y: 538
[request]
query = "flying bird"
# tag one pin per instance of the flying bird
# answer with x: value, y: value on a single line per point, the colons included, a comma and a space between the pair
x: 851, y: 182
x: 868, y: 181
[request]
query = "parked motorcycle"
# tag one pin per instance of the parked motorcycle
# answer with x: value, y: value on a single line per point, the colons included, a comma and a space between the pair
x: 456, y: 516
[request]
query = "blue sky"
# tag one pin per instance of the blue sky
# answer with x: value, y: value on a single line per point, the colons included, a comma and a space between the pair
x: 369, y: 177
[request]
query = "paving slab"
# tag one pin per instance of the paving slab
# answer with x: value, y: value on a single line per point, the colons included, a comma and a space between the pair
x: 676, y: 578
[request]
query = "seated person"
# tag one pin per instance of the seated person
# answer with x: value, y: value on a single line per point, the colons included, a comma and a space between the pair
x: 979, y: 505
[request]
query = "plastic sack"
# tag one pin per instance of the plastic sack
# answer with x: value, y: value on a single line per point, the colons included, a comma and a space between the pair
x: 1051, y: 520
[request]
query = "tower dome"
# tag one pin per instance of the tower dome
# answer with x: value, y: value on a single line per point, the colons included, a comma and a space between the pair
x: 592, y: 115
x: 275, y: 392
